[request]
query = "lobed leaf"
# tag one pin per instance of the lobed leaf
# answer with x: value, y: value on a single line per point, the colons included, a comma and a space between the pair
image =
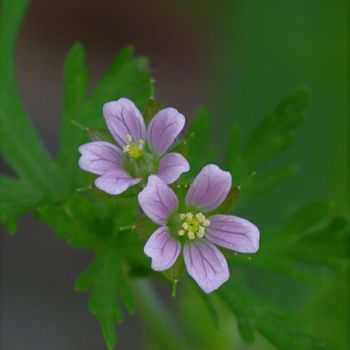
x: 75, y: 94
x: 268, y: 180
x: 199, y: 150
x: 272, y: 135
x: 87, y: 220
x: 74, y: 222
x: 308, y: 216
x: 281, y: 327
x: 107, y: 282
x: 127, y: 77
x: 20, y: 145
x: 17, y: 197
x: 274, y: 132
x: 311, y: 237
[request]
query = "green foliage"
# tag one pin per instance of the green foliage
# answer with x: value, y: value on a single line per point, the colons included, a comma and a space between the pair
x: 20, y: 145
x: 199, y: 152
x: 229, y: 201
x: 89, y: 221
x: 78, y: 221
x: 112, y: 228
x: 126, y: 77
x: 107, y: 282
x: 281, y: 327
x: 310, y: 238
x: 271, y: 136
x: 19, y: 142
x: 75, y: 95
x: 274, y: 132
x: 269, y: 180
x: 151, y: 108
x: 17, y: 197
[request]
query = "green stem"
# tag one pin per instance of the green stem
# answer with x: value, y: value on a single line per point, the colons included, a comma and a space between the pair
x: 174, y: 288
x: 152, y: 88
x: 163, y: 328
x: 130, y: 227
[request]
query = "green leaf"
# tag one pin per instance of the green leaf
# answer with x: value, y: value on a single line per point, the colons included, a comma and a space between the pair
x: 17, y: 197
x: 19, y: 142
x: 311, y: 237
x: 90, y: 220
x: 106, y: 280
x: 272, y: 135
x: 74, y: 221
x: 331, y: 249
x: 261, y: 184
x: 20, y: 145
x: 75, y: 90
x: 308, y: 216
x: 274, y: 132
x: 281, y: 327
x: 144, y: 227
x: 127, y: 77
x: 229, y: 201
x: 100, y: 134
x: 199, y: 152
x: 233, y: 157
x: 151, y: 108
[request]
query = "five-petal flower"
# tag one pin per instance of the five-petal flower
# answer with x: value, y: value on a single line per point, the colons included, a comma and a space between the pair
x: 190, y: 231
x: 142, y: 151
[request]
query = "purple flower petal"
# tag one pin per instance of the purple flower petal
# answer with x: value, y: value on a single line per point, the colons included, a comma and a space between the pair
x: 163, y: 129
x: 172, y: 165
x: 123, y: 118
x: 206, y: 264
x: 209, y: 189
x: 163, y: 249
x: 233, y: 233
x: 115, y: 181
x: 157, y: 200
x: 99, y: 157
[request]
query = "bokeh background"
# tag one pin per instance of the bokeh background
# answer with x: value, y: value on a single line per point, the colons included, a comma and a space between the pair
x: 238, y: 58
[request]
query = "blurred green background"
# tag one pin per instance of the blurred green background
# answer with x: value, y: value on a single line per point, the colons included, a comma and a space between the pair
x: 238, y: 58
x: 270, y: 48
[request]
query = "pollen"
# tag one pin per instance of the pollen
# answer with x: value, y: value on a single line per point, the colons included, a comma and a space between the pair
x: 193, y: 225
x: 132, y: 149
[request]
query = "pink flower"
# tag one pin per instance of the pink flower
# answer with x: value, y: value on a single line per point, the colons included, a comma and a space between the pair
x: 186, y: 228
x: 140, y: 153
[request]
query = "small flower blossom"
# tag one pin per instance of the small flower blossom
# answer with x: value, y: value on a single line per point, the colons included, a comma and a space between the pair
x: 140, y: 153
x: 192, y: 231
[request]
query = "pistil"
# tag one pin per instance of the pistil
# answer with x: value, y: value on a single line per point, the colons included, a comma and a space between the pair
x: 132, y: 149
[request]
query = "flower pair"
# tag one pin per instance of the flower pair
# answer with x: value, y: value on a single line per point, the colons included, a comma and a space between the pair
x: 187, y: 224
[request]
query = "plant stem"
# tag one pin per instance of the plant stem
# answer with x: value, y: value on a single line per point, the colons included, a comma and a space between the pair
x: 163, y: 328
x: 130, y: 227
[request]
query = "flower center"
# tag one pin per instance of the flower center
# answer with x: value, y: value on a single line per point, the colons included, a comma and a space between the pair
x: 132, y: 149
x: 193, y: 225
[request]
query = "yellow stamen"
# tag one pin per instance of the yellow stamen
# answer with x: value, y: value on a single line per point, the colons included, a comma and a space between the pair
x: 206, y: 222
x: 193, y: 225
x: 200, y: 217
